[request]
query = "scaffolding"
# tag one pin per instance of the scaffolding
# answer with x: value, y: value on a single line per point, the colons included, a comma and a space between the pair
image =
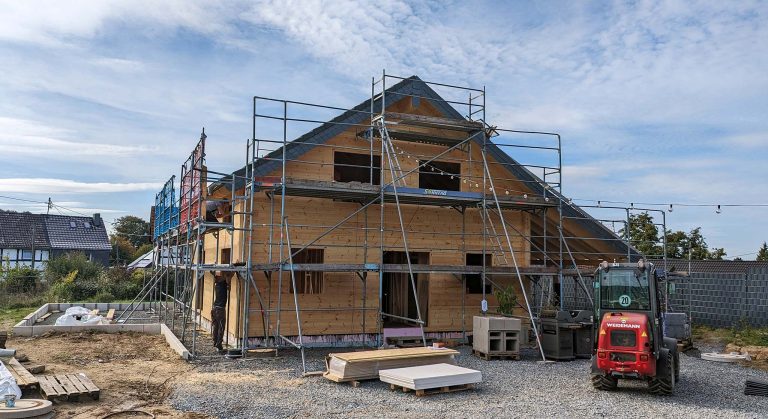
x: 407, y: 146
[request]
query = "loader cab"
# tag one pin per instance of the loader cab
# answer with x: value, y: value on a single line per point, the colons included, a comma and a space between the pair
x: 628, y: 288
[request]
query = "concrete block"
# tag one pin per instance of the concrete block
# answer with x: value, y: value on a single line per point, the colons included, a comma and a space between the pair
x: 22, y: 331
x: 152, y: 329
x: 39, y: 330
x: 174, y: 342
x: 131, y: 327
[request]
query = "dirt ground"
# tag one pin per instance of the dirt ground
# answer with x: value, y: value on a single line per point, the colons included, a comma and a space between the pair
x: 133, y: 371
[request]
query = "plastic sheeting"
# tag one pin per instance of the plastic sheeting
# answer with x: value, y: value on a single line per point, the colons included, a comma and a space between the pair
x: 8, y: 383
x: 79, y: 316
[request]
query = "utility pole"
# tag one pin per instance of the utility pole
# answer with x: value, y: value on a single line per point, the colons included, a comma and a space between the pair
x: 34, y: 227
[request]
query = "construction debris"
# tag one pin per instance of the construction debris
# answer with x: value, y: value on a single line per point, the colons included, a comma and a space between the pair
x: 79, y: 316
x: 731, y: 357
x: 365, y: 365
x: 754, y: 387
x: 26, y: 408
x: 24, y: 379
x: 68, y: 387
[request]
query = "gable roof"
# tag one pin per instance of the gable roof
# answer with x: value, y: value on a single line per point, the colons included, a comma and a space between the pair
x: 16, y: 230
x: 84, y: 235
x: 416, y: 87
x: 51, y: 232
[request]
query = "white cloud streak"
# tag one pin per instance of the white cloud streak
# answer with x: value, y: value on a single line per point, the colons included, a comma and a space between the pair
x: 61, y: 186
x: 20, y: 136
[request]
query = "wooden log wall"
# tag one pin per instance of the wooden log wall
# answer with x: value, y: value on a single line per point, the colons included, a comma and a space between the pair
x: 338, y: 309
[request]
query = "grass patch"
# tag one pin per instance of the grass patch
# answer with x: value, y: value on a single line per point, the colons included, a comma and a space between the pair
x: 742, y: 335
x: 10, y: 316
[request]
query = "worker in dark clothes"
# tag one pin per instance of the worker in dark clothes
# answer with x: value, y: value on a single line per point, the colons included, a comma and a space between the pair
x: 219, y: 310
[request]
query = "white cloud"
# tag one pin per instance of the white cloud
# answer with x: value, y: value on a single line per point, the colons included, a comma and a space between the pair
x: 121, y: 65
x: 60, y: 186
x: 57, y: 23
x: 20, y: 136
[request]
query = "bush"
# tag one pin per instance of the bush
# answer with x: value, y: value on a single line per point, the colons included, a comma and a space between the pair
x: 120, y: 283
x: 507, y: 299
x: 20, y: 279
x: 62, y: 291
x: 62, y: 266
x: 104, y: 297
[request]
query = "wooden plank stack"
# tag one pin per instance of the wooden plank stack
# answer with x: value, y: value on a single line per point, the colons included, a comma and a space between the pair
x: 67, y: 386
x: 428, y: 379
x: 24, y: 379
x: 365, y: 365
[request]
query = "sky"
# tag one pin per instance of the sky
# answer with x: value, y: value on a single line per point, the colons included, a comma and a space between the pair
x: 656, y: 102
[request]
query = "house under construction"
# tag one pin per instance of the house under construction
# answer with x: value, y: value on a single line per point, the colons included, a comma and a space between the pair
x: 402, y: 216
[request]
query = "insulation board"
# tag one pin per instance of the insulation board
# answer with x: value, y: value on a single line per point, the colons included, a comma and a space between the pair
x: 430, y: 376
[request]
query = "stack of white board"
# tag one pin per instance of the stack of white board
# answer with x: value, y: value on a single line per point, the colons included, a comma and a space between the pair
x: 430, y: 376
x: 367, y: 364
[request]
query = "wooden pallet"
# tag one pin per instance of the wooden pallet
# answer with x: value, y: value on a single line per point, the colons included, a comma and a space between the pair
x: 408, y: 341
x: 354, y: 382
x: 24, y: 379
x: 430, y: 391
x: 684, y: 345
x: 67, y: 386
x: 497, y: 355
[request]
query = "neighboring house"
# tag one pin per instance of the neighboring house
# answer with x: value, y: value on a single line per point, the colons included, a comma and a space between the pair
x: 145, y: 261
x: 45, y: 236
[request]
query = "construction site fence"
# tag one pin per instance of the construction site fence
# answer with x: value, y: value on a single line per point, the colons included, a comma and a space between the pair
x: 720, y: 300
x: 723, y: 299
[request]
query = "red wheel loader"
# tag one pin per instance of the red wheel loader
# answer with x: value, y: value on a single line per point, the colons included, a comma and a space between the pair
x: 629, y: 341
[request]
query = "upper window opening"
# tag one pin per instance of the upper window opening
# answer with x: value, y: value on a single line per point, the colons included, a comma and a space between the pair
x: 440, y: 175
x: 354, y: 167
x: 474, y: 282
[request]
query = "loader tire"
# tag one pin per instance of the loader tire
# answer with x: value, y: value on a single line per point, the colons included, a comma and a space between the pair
x: 604, y: 382
x: 677, y: 366
x: 664, y: 385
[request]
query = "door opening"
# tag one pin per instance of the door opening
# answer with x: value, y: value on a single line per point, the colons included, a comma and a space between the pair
x: 398, y: 298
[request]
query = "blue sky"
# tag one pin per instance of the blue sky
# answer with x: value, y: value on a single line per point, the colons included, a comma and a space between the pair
x: 657, y: 102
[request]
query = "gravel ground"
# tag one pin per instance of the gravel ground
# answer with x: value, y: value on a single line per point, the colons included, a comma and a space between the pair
x: 273, y: 387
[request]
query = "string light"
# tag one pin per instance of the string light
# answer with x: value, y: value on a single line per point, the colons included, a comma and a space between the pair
x: 670, y: 208
x: 718, y: 210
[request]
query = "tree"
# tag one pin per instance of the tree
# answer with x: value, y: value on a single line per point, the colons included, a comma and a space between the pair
x: 643, y: 235
x: 133, y: 229
x: 122, y: 250
x: 691, y: 245
x: 144, y: 248
x: 677, y: 244
x: 763, y: 253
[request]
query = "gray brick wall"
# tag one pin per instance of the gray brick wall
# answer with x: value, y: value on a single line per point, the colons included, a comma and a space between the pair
x: 712, y: 299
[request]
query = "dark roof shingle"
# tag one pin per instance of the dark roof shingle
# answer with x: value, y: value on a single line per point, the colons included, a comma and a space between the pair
x: 51, y: 232
x: 16, y: 230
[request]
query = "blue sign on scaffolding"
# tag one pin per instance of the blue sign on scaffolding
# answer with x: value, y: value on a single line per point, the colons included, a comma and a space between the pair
x: 166, y: 211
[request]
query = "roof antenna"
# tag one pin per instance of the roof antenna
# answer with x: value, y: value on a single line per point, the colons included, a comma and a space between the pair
x: 50, y: 204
